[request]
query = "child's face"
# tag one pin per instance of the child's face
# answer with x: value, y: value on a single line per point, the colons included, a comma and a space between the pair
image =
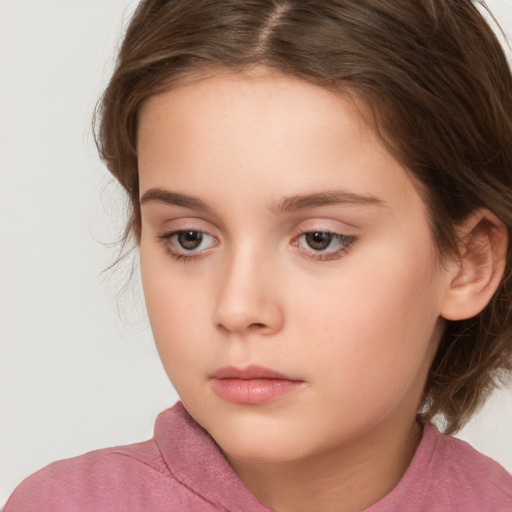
x: 277, y: 231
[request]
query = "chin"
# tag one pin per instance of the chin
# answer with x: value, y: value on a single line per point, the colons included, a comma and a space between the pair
x: 248, y: 451
x: 273, y: 433
x: 259, y: 442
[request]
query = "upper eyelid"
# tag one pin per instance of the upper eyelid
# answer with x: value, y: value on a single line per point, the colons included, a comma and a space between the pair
x: 161, y: 215
x: 324, y: 225
x: 337, y: 231
x: 168, y: 234
x: 169, y: 231
x: 170, y: 226
x: 334, y: 225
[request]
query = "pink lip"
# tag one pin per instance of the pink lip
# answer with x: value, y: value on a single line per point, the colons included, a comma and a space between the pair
x: 252, y: 385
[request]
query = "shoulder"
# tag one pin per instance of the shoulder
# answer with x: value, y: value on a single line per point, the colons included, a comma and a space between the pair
x: 467, y: 475
x: 471, y: 466
x: 103, y: 478
x: 132, y: 478
x: 448, y: 475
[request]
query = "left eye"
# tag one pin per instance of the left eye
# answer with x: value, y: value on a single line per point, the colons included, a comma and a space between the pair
x: 324, y: 242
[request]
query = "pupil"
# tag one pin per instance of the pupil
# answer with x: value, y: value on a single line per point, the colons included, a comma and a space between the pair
x: 190, y: 239
x: 318, y: 240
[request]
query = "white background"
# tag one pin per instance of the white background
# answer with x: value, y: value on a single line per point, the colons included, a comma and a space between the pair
x: 78, y: 370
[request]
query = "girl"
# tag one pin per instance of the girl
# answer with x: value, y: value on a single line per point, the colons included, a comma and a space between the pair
x: 321, y: 196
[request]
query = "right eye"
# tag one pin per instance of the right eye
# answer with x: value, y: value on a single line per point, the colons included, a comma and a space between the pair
x: 188, y: 242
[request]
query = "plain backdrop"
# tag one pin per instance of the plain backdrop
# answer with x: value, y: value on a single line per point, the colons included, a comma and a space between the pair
x: 78, y: 370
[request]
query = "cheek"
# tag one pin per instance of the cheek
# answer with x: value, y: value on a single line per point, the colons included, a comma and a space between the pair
x: 177, y: 331
x: 176, y: 310
x: 374, y: 327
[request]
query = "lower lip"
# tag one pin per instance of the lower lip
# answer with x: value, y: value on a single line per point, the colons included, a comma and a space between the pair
x: 253, y: 391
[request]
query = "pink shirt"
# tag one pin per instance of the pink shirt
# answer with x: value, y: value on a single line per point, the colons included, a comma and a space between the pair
x: 182, y: 470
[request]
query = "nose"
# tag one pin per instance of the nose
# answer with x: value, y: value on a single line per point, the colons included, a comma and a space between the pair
x: 248, y: 299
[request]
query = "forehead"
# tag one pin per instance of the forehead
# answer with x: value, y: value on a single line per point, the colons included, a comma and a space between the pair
x: 263, y: 129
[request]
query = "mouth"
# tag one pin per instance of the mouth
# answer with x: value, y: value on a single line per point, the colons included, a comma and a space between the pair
x: 252, y: 385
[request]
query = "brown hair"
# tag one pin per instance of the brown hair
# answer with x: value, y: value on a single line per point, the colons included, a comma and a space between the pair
x: 439, y: 88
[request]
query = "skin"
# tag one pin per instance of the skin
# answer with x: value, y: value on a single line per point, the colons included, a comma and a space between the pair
x: 358, y: 323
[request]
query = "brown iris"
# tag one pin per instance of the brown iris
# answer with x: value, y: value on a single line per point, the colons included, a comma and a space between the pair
x: 190, y: 239
x: 318, y: 240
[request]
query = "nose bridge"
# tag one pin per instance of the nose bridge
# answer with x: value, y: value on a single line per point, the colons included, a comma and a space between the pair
x: 247, y: 300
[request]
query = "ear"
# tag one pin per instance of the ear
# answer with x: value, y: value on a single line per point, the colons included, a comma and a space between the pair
x: 477, y: 270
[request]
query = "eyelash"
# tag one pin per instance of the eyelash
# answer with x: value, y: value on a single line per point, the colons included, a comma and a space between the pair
x: 167, y: 242
x: 346, y: 241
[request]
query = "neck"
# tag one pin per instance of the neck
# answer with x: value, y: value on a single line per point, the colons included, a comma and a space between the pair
x: 344, y: 479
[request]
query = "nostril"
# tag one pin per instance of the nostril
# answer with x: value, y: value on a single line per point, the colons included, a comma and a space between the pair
x: 256, y: 326
x: 252, y: 327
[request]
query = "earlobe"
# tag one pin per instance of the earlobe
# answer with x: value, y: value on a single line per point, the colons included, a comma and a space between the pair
x: 477, y: 270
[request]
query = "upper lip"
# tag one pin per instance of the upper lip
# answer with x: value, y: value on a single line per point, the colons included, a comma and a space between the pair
x: 249, y: 372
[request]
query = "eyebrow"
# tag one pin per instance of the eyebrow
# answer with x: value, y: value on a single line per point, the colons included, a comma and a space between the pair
x: 316, y: 200
x: 287, y: 204
x: 160, y: 195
